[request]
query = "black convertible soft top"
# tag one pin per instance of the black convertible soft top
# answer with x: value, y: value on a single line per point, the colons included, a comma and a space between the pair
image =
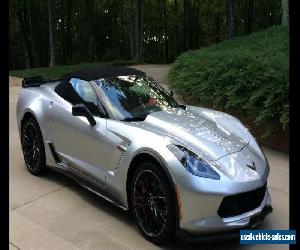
x: 66, y: 91
x: 88, y: 74
x: 96, y: 73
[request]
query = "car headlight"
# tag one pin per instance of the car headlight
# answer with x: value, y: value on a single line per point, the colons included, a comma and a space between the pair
x: 193, y: 163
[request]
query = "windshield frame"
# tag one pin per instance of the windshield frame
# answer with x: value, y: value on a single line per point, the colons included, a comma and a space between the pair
x: 153, y: 83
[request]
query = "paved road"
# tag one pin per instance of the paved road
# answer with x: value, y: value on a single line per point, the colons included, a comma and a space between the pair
x: 53, y: 212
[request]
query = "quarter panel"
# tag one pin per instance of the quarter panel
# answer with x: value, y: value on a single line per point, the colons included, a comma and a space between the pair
x: 33, y: 100
x: 141, y: 141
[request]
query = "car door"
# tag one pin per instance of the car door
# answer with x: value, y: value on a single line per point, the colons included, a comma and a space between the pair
x: 81, y: 146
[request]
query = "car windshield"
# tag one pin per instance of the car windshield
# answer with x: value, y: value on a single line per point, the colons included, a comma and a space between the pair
x: 132, y: 98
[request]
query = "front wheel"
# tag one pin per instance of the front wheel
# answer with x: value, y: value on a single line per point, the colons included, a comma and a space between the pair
x: 152, y: 203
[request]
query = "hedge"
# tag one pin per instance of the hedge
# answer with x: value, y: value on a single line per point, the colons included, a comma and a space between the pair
x: 249, y: 75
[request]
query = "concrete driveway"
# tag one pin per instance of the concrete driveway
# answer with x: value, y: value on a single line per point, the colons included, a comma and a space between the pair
x: 53, y: 212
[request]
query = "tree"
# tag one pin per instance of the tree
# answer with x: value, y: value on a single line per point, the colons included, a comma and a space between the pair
x: 66, y: 30
x: 75, y: 31
x: 51, y: 33
x: 230, y: 19
x: 249, y: 16
x: 176, y: 35
x: 132, y: 29
x: 166, y: 45
x: 22, y: 14
x: 139, y: 32
x: 285, y: 12
x: 186, y: 22
x: 90, y: 11
x: 26, y: 16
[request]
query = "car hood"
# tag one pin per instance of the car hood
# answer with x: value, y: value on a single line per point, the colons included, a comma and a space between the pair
x: 204, y: 134
x: 218, y: 138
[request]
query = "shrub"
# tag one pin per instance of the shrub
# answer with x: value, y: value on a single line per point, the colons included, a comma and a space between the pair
x: 248, y: 74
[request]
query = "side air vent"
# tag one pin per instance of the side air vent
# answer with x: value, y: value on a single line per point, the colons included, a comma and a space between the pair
x: 118, y: 163
x: 54, y: 154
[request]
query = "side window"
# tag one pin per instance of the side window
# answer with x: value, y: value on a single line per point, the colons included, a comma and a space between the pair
x: 84, y: 90
x: 86, y: 95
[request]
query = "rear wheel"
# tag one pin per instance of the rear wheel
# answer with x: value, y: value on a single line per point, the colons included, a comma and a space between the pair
x: 152, y: 203
x: 33, y: 146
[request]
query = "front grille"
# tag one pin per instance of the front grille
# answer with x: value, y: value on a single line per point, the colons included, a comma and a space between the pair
x: 237, y: 204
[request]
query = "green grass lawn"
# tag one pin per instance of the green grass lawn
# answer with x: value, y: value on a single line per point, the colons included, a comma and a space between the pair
x: 58, y: 71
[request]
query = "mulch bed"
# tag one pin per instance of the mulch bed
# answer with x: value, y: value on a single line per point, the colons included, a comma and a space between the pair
x: 278, y: 139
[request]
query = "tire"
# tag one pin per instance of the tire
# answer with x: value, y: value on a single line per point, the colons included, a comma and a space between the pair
x: 33, y: 147
x: 152, y: 203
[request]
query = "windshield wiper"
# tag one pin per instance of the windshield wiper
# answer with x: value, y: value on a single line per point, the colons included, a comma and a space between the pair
x: 137, y: 118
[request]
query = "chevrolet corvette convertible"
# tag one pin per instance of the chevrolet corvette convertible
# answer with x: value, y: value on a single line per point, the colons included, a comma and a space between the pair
x: 181, y: 170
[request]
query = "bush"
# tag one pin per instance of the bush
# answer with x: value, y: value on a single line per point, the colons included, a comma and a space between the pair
x: 248, y: 75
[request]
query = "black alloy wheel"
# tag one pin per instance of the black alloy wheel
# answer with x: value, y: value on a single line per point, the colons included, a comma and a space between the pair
x: 152, y: 203
x: 33, y: 146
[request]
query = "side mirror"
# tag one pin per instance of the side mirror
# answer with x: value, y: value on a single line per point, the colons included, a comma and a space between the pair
x: 171, y: 93
x: 82, y: 110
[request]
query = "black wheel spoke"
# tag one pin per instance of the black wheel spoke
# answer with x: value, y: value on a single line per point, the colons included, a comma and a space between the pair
x: 26, y: 140
x: 160, y: 198
x: 36, y: 155
x: 147, y: 220
x: 150, y: 220
x: 159, y: 217
x: 32, y: 133
x: 162, y: 214
x: 150, y: 203
x: 30, y: 159
x: 27, y: 151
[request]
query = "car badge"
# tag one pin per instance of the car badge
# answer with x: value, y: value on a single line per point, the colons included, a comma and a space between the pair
x: 253, y: 166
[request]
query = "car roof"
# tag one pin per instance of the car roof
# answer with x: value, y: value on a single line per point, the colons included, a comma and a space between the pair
x: 95, y: 73
x: 65, y: 89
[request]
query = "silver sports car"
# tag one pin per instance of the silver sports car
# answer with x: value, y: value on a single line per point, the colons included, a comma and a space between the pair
x: 181, y: 170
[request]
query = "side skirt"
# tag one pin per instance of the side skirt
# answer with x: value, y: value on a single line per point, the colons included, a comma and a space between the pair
x: 82, y: 179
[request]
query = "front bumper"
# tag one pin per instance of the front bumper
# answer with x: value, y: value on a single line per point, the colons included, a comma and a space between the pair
x: 200, y: 199
x: 225, y: 235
